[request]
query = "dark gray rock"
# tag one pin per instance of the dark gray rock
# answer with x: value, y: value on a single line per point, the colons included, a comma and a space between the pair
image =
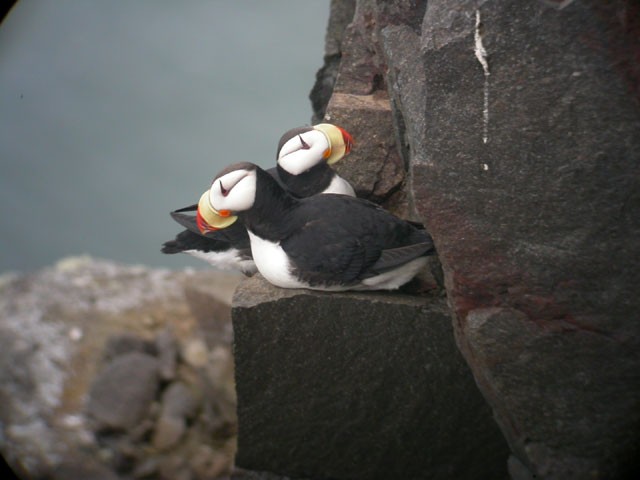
x: 341, y: 15
x: 178, y: 405
x: 121, y: 394
x: 374, y: 167
x: 525, y: 171
x: 179, y: 401
x: 356, y: 386
x: 361, y: 104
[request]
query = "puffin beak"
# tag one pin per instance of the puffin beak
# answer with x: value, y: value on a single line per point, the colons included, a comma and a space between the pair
x: 347, y: 139
x: 340, y: 142
x: 209, y: 219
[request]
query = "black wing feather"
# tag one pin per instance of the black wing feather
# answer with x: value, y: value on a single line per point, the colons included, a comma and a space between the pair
x: 325, y: 249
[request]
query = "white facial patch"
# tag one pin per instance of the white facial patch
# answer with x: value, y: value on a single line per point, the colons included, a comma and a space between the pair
x: 235, y: 191
x: 303, y: 152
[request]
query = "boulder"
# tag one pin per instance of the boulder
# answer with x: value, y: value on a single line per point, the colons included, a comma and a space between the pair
x: 356, y: 386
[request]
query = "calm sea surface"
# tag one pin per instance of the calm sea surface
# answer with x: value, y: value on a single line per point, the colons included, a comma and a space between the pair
x: 113, y: 113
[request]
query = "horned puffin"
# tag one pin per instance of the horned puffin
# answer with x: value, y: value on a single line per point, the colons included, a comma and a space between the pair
x: 304, y: 156
x: 324, y: 242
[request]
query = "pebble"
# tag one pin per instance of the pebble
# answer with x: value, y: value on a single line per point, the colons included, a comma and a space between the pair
x: 196, y: 353
x: 122, y: 393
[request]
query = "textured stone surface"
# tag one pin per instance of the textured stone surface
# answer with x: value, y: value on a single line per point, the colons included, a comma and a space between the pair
x: 341, y: 15
x: 518, y: 127
x: 356, y: 386
x: 374, y: 167
x: 360, y: 103
x: 536, y: 221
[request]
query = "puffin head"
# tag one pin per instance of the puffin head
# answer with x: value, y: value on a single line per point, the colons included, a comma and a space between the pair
x: 232, y: 191
x: 303, y: 148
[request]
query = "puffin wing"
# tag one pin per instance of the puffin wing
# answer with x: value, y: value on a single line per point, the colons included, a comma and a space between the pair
x: 234, y: 236
x: 395, y: 257
x: 338, y: 259
x: 187, y: 221
x: 348, y: 239
x: 187, y: 240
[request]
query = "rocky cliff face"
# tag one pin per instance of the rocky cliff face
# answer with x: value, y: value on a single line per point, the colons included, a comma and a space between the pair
x: 513, y: 132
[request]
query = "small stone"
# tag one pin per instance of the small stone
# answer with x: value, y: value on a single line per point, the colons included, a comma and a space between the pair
x: 178, y: 401
x: 122, y: 393
x: 178, y: 404
x: 75, y: 334
x: 168, y: 432
x: 195, y: 353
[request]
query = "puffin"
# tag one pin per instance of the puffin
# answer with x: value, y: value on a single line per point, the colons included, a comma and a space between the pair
x: 304, y: 158
x: 328, y: 242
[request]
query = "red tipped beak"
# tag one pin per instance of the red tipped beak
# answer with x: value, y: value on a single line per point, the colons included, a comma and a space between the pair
x: 203, y: 226
x: 348, y: 140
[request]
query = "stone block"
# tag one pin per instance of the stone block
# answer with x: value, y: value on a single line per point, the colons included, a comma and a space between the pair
x: 357, y: 386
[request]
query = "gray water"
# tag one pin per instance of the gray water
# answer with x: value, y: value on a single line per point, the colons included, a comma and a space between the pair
x: 113, y: 113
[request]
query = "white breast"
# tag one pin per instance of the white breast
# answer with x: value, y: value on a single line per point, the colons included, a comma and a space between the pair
x: 273, y: 263
x: 341, y: 186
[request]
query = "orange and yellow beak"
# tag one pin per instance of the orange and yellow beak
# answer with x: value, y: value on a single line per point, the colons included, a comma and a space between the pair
x: 347, y: 139
x: 340, y: 142
x: 209, y: 219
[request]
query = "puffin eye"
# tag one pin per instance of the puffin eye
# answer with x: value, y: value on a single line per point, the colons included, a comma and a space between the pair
x: 305, y: 145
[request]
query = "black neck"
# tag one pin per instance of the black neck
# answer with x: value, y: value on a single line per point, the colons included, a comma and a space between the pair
x: 271, y: 205
x: 313, y: 181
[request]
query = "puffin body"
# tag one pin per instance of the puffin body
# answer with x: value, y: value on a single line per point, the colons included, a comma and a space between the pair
x: 325, y: 242
x: 303, y: 159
